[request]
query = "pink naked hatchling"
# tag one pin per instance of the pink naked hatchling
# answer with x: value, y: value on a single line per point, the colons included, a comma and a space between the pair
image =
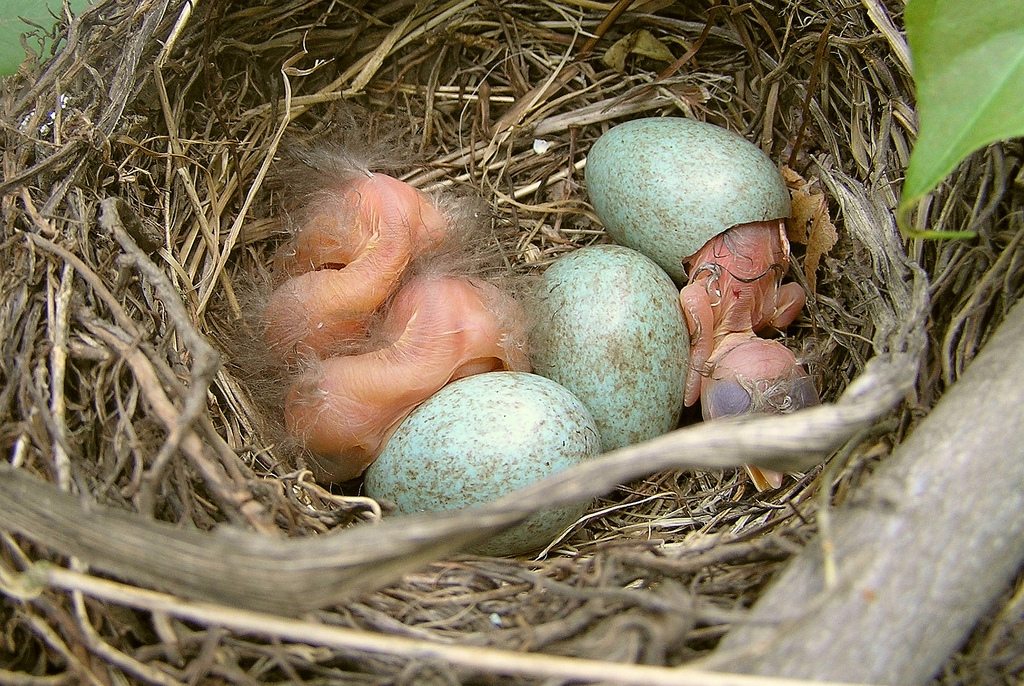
x: 373, y: 318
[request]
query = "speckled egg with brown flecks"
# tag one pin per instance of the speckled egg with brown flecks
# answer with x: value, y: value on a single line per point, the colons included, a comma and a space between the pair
x: 483, y: 437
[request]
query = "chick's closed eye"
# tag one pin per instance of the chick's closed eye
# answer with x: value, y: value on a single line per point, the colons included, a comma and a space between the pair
x: 724, y: 399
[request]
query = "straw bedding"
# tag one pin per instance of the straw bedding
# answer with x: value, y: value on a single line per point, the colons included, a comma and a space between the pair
x: 144, y: 195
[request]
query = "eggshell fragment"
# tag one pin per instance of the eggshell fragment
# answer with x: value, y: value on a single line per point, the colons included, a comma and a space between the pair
x: 665, y: 186
x: 609, y: 327
x: 480, y: 438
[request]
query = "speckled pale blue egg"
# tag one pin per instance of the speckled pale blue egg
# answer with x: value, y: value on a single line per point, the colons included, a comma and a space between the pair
x: 608, y: 326
x: 480, y: 438
x: 665, y: 186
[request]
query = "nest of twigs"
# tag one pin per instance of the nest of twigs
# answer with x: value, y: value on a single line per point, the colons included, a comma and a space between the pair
x: 141, y: 205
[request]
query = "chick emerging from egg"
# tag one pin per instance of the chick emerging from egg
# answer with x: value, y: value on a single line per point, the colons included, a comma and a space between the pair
x: 735, y: 292
x: 735, y: 288
x: 377, y: 312
x: 710, y: 208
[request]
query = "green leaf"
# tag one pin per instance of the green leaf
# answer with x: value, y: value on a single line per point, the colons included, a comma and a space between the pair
x: 968, y: 58
x: 13, y: 17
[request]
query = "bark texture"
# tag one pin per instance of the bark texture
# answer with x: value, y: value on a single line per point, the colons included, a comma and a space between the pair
x: 922, y: 552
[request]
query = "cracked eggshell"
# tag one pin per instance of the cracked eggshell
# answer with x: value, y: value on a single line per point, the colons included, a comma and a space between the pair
x: 667, y: 185
x: 608, y: 326
x: 480, y: 438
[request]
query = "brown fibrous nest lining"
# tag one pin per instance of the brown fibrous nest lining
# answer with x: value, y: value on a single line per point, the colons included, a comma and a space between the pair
x: 183, y: 114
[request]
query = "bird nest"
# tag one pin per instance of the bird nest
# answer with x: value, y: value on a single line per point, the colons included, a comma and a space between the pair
x: 157, y: 529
